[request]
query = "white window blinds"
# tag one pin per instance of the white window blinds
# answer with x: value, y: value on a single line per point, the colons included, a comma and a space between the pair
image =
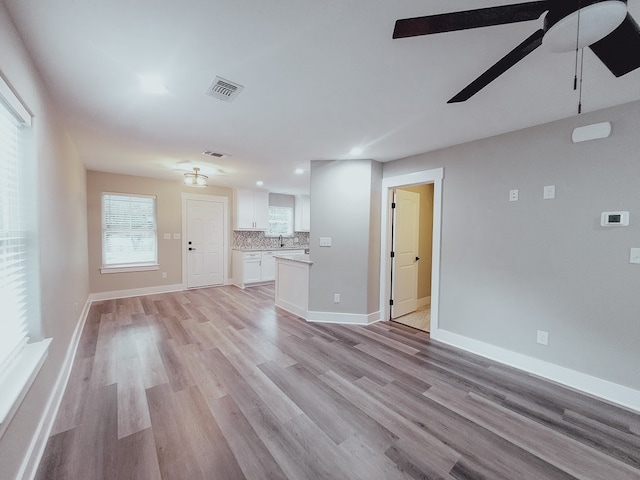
x: 280, y: 221
x: 129, y: 231
x: 13, y: 243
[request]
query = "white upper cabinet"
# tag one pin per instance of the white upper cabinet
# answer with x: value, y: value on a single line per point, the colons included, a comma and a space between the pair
x: 252, y: 210
x: 303, y: 213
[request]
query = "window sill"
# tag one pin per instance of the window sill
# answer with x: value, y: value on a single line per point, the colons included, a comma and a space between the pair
x: 132, y: 268
x: 16, y: 381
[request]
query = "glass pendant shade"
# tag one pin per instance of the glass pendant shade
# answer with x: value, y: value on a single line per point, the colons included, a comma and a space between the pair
x: 195, y: 179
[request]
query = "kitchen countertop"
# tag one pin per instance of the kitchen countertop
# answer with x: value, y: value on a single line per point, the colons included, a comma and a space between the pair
x: 296, y: 257
x: 276, y: 249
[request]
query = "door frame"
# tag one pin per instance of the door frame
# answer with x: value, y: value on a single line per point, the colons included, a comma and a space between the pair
x: 434, y: 176
x: 225, y: 233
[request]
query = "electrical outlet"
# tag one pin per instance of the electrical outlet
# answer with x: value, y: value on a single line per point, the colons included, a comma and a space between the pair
x: 336, y: 298
x: 634, y: 255
x: 164, y: 274
x: 543, y: 337
x: 176, y: 236
x: 513, y: 195
x: 549, y: 192
x: 167, y: 236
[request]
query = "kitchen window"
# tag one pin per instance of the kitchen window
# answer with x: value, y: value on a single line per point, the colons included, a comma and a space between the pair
x: 280, y: 221
x: 129, y: 233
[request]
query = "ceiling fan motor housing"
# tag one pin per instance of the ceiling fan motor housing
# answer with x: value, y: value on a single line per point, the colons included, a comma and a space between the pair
x: 577, y: 24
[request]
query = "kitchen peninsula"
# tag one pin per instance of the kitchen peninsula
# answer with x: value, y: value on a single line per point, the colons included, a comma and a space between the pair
x: 292, y: 282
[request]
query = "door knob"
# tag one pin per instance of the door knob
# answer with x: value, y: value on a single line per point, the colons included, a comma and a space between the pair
x: 191, y: 248
x: 417, y: 258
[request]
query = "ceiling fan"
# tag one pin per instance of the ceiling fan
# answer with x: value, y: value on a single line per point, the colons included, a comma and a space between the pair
x: 605, y: 26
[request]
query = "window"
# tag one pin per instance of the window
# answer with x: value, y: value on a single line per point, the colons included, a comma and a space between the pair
x: 129, y: 233
x: 280, y: 221
x: 13, y: 242
x: 20, y: 359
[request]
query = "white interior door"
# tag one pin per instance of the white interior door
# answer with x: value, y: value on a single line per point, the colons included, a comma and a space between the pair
x: 406, y: 229
x: 205, y: 243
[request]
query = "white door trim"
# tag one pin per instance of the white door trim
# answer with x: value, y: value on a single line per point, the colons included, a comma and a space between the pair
x: 434, y: 176
x: 225, y: 223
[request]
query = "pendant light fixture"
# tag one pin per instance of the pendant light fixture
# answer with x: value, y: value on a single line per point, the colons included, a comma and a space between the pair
x: 195, y: 179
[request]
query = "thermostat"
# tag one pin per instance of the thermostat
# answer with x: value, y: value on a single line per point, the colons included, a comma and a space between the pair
x: 611, y: 219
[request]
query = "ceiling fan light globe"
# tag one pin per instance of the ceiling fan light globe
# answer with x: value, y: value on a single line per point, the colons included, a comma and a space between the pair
x: 596, y: 22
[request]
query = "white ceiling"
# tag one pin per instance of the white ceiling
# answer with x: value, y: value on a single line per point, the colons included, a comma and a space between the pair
x: 319, y: 79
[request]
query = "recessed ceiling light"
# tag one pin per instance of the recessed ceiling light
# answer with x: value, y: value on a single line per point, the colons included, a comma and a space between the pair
x: 152, y: 84
x: 299, y: 171
x: 356, y: 151
x: 259, y: 183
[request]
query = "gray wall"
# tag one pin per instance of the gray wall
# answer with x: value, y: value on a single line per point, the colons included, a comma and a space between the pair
x: 345, y: 198
x: 62, y: 233
x: 508, y: 269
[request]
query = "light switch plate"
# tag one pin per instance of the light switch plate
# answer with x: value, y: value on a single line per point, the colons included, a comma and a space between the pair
x: 549, y: 192
x: 167, y: 236
x: 634, y: 256
x: 325, y: 241
x: 513, y: 195
x: 176, y: 236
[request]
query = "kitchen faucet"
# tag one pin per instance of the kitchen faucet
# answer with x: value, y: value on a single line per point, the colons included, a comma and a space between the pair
x: 281, y: 241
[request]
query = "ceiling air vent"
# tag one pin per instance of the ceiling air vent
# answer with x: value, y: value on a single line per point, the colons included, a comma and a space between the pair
x: 224, y: 89
x: 213, y: 154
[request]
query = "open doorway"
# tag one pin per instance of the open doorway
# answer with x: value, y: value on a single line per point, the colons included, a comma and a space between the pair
x: 390, y: 186
x: 411, y: 265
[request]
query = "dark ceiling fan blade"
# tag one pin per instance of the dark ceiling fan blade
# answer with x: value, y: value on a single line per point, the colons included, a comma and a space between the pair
x: 501, y: 66
x: 620, y: 50
x: 482, y: 17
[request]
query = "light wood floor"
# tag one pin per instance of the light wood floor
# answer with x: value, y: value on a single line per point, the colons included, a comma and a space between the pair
x: 219, y: 384
x: 420, y: 319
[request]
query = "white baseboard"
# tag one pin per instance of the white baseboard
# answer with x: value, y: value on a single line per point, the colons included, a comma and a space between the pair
x: 291, y: 308
x: 136, y: 292
x: 347, y: 318
x: 424, y: 301
x: 597, y: 387
x: 35, y: 451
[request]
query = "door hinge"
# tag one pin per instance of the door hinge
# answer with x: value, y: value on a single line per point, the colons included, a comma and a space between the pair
x: 393, y: 204
x: 393, y: 254
x: 391, y: 302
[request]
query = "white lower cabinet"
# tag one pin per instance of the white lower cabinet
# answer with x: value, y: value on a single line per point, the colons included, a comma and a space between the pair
x: 268, y: 266
x: 250, y: 268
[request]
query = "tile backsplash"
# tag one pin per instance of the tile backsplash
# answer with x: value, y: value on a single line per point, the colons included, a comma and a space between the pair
x: 243, y: 239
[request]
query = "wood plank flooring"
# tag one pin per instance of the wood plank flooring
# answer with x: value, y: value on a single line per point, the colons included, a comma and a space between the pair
x: 219, y: 384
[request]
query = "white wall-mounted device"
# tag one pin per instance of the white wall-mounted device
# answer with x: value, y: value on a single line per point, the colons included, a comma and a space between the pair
x: 614, y: 219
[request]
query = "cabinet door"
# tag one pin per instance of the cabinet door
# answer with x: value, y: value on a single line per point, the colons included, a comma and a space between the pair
x: 252, y: 210
x: 261, y: 210
x: 268, y: 266
x: 303, y: 213
x: 244, y: 210
x: 252, y: 271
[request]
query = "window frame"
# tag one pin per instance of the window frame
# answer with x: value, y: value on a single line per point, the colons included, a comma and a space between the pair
x: 27, y: 358
x: 134, y: 266
x: 291, y: 223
